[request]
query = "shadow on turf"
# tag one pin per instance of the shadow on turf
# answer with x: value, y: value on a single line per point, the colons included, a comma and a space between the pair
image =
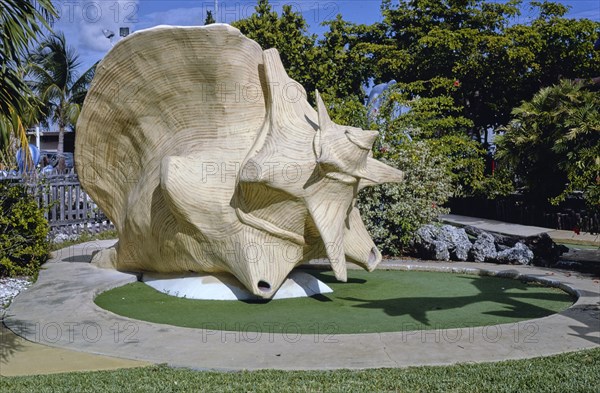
x: 495, y: 291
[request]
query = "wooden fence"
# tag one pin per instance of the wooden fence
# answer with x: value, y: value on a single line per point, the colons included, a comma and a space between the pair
x: 66, y: 205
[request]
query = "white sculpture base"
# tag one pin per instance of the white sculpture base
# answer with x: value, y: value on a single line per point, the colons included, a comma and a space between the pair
x: 227, y: 287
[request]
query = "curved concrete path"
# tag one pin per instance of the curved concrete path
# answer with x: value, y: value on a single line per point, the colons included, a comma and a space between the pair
x: 19, y: 357
x: 58, y: 310
x: 559, y: 236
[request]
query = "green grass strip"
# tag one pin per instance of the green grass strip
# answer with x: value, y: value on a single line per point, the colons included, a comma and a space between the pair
x: 573, y: 373
x: 381, y: 301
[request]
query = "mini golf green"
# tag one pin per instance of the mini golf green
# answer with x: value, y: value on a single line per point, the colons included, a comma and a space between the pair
x: 380, y: 301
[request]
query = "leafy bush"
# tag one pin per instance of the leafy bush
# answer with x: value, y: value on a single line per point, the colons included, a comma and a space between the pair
x: 393, y: 212
x: 424, y: 137
x: 23, y: 232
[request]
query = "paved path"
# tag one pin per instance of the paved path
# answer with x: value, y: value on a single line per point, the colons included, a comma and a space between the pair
x: 522, y: 230
x: 58, y: 311
x: 22, y: 357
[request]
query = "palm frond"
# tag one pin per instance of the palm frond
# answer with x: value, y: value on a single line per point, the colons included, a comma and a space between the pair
x: 81, y: 85
x: 54, y: 77
x: 21, y: 23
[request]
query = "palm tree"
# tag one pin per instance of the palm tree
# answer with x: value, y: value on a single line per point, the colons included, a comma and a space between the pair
x: 53, y: 71
x: 553, y: 143
x: 21, y: 23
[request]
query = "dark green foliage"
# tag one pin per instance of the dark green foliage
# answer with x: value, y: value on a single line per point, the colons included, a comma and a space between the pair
x: 466, y: 163
x: 552, y: 144
x: 433, y: 113
x: 23, y: 232
x: 439, y: 121
x: 393, y: 212
x: 348, y: 111
x: 496, y: 62
x: 334, y: 65
x: 21, y: 24
x: 288, y: 33
x: 340, y: 69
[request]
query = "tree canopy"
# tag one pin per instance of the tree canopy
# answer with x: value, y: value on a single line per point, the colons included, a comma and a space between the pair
x: 496, y: 61
x: 476, y: 52
x: 461, y: 66
x: 288, y: 33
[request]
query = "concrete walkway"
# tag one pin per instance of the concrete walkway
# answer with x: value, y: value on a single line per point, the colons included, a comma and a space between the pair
x: 19, y: 356
x: 58, y: 311
x: 559, y: 236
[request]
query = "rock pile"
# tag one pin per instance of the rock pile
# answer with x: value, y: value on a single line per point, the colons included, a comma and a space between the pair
x: 9, y: 288
x: 451, y: 243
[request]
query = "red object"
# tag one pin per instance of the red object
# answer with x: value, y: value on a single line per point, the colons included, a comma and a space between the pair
x: 456, y: 83
x: 576, y: 230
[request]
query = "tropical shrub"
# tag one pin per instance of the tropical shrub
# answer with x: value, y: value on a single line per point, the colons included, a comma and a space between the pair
x: 23, y: 232
x: 552, y: 144
x: 393, y: 212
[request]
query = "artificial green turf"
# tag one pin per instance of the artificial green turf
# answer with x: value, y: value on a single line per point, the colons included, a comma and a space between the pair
x: 380, y: 301
x: 577, y: 372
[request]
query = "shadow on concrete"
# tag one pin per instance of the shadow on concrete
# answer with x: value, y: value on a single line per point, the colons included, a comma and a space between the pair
x: 78, y: 258
x: 9, y: 344
x: 81, y: 253
x: 587, y: 315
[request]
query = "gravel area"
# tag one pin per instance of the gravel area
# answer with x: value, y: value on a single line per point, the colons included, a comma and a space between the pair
x: 9, y: 288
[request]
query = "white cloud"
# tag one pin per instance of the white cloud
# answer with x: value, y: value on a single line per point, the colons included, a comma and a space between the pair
x: 83, y: 22
x: 193, y: 16
x: 228, y: 11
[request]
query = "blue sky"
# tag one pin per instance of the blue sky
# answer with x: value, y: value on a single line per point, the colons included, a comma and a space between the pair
x: 83, y: 21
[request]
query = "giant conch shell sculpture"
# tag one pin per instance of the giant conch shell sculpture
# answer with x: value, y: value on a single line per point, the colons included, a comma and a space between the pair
x: 207, y: 157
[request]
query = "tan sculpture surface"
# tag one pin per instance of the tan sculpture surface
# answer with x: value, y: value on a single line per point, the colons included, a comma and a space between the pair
x: 207, y: 157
